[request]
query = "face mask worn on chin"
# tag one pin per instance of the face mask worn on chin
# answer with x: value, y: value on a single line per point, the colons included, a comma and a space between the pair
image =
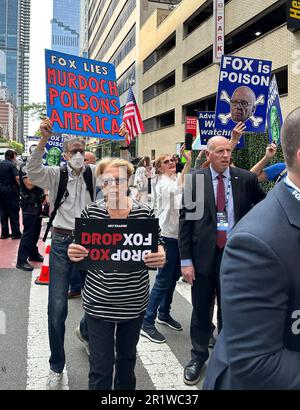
x: 77, y: 161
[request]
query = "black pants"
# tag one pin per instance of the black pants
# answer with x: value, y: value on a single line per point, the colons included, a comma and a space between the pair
x: 104, y: 339
x: 31, y: 233
x: 204, y: 290
x: 9, y: 210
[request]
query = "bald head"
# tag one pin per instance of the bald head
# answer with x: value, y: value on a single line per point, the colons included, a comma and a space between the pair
x: 290, y: 140
x: 242, y: 104
x: 215, y: 141
x: 89, y: 158
x: 219, y: 153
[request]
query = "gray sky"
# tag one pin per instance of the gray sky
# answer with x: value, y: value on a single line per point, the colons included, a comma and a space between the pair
x: 41, y: 14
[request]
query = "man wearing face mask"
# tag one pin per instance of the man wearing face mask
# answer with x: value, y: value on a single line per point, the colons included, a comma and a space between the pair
x: 76, y: 197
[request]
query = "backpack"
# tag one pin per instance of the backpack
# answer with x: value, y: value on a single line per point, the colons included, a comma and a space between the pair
x: 62, y: 192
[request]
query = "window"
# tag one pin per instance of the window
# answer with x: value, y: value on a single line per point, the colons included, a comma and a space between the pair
x: 125, y: 47
x: 199, y: 17
x: 282, y: 79
x: 161, y: 121
x: 206, y: 104
x: 198, y: 63
x: 160, y: 52
x: 124, y: 80
x: 262, y: 24
x: 159, y: 87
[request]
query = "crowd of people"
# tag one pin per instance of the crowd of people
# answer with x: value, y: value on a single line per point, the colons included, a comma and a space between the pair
x: 216, y: 230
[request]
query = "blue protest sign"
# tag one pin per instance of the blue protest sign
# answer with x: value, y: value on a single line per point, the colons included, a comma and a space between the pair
x: 53, y: 151
x: 274, y: 114
x: 82, y: 96
x: 243, y: 93
x: 207, y: 128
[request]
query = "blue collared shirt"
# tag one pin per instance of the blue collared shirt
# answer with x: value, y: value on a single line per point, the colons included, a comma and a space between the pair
x: 229, y: 208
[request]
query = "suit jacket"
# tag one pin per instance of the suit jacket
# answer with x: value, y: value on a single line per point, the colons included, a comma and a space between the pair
x: 259, y: 346
x: 197, y: 238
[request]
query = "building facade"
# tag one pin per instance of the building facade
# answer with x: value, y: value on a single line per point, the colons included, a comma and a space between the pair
x: 66, y: 26
x: 177, y: 76
x: 114, y: 27
x: 14, y: 57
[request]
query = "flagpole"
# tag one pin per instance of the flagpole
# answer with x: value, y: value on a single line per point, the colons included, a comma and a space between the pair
x: 131, y: 84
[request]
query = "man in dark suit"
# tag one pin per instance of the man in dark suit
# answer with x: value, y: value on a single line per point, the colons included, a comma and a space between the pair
x: 259, y: 346
x: 229, y: 193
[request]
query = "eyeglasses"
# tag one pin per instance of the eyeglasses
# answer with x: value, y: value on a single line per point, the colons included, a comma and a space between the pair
x: 74, y: 151
x: 116, y: 181
x: 168, y: 161
x: 243, y: 103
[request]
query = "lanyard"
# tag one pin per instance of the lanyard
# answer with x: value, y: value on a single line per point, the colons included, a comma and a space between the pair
x: 294, y: 191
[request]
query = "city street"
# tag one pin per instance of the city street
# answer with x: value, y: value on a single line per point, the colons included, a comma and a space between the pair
x: 24, y: 346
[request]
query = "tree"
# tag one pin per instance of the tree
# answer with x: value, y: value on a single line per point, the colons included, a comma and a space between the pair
x: 37, y: 111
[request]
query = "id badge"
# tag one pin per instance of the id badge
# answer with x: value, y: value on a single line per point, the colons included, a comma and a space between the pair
x: 222, y: 221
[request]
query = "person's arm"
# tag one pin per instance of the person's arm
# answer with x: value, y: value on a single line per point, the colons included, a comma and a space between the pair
x: 124, y: 151
x: 258, y: 168
x: 254, y: 312
x: 29, y: 185
x: 187, y: 166
x: 198, y: 160
x: 39, y: 175
x: 236, y: 134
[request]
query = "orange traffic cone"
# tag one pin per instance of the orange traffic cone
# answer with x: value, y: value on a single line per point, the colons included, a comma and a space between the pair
x: 43, y: 279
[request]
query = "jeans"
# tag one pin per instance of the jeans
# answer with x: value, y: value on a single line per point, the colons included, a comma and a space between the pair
x: 77, y: 280
x: 104, y: 338
x: 60, y: 269
x: 31, y: 232
x: 161, y: 295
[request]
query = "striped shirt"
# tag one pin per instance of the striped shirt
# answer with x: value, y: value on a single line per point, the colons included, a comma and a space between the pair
x: 116, y: 296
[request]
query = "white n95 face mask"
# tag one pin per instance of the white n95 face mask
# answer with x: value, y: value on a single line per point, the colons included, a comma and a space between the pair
x: 77, y: 161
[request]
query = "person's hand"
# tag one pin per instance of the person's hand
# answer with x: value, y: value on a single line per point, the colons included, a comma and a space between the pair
x: 157, y: 259
x: 189, y: 273
x: 186, y: 154
x: 46, y: 128
x: 123, y: 131
x: 237, y: 131
x: 271, y: 151
x: 201, y: 153
x: 76, y: 252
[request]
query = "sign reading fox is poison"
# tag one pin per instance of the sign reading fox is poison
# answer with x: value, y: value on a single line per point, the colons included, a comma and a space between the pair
x: 82, y: 96
x: 116, y: 245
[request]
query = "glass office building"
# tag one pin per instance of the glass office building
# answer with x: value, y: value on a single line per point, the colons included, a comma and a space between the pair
x: 14, y: 56
x: 66, y: 26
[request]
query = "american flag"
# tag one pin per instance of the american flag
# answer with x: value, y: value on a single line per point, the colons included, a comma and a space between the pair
x: 132, y: 117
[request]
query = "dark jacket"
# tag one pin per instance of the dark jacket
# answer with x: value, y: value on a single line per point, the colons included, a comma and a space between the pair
x: 259, y: 346
x: 197, y: 238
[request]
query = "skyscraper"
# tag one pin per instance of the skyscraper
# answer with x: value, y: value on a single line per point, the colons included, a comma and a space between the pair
x: 66, y: 26
x: 14, y: 56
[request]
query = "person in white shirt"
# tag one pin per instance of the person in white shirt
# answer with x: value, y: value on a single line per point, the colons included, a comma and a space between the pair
x: 169, y: 189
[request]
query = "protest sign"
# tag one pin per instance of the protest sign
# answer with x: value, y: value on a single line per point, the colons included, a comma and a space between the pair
x: 274, y: 114
x: 191, y: 126
x: 242, y: 93
x: 116, y: 245
x: 53, y: 151
x: 31, y: 143
x: 82, y: 96
x: 293, y: 15
x: 207, y: 129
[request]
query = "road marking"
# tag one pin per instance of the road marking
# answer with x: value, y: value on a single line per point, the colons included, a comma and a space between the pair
x: 38, y: 351
x: 162, y: 365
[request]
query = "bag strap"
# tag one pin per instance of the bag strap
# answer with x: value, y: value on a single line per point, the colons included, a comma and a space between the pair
x: 88, y: 179
x: 62, y: 189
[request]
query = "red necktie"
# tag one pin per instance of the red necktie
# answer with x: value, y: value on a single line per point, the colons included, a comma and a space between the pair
x: 221, y: 235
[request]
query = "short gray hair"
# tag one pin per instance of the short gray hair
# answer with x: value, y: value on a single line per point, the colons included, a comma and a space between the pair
x: 71, y: 141
x: 290, y: 138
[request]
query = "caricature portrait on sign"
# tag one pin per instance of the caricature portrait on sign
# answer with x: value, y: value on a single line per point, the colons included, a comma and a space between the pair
x: 243, y: 93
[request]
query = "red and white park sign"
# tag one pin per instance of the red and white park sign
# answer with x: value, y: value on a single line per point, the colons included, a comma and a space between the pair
x: 219, y: 29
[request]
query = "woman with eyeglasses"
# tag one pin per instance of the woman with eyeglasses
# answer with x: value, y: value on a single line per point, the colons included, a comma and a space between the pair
x: 168, y: 201
x: 115, y: 303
